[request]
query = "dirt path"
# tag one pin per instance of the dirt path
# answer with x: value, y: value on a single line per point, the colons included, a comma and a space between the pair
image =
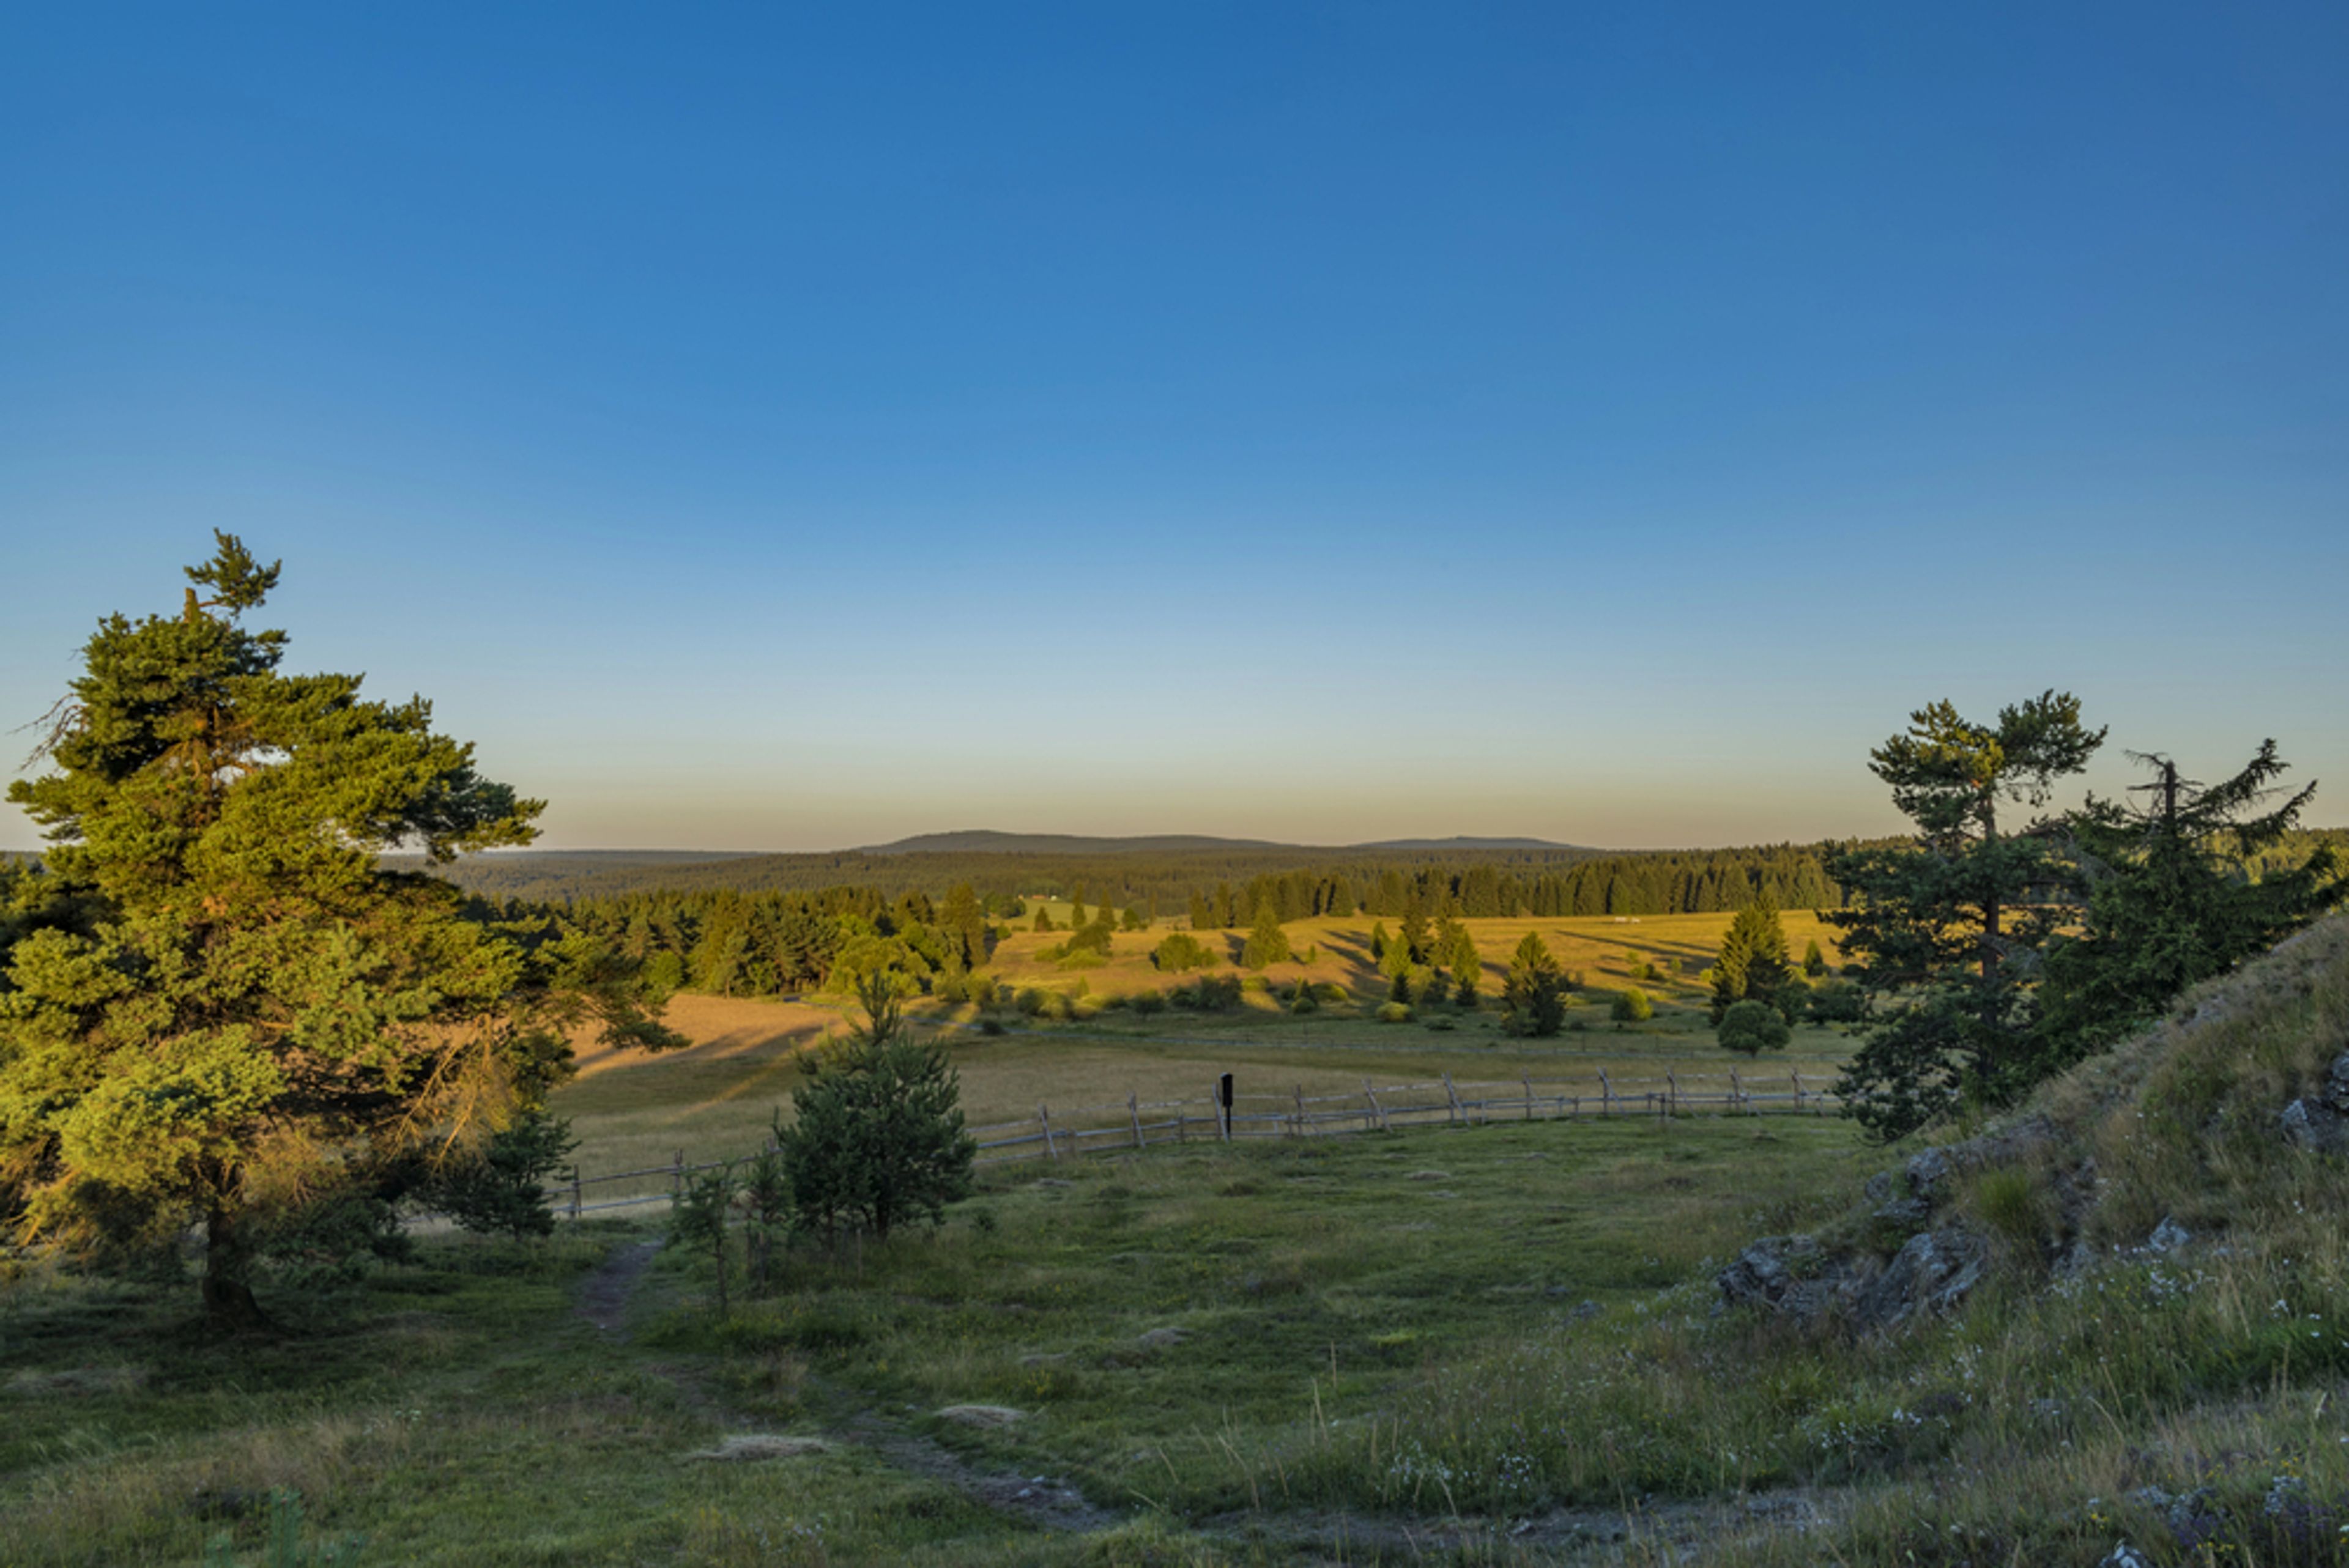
x: 1038, y: 1499
x: 603, y: 1299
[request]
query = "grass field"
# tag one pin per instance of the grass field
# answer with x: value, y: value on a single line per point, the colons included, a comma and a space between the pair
x: 716, y: 1100
x: 1173, y: 1327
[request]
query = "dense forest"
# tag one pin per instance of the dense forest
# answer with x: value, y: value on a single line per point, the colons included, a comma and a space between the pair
x: 1232, y: 879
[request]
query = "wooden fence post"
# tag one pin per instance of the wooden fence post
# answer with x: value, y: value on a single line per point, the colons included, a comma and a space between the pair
x: 1528, y: 1079
x: 1378, y: 1111
x: 1134, y: 1114
x: 1223, y: 1111
x: 1454, y: 1095
x: 1050, y: 1151
x: 574, y: 1191
x: 1605, y: 1095
x: 676, y: 1181
x: 1671, y: 1092
x: 1735, y: 1097
x: 1798, y: 1091
x: 1300, y: 1111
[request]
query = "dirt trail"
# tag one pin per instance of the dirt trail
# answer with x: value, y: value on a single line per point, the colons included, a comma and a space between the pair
x: 603, y: 1299
x: 1038, y: 1499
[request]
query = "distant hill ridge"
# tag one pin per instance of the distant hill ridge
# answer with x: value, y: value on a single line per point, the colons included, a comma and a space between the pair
x: 988, y: 842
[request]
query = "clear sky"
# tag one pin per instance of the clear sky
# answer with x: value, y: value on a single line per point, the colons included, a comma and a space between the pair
x: 765, y: 427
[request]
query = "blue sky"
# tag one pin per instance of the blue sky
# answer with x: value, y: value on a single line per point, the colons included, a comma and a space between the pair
x: 772, y: 430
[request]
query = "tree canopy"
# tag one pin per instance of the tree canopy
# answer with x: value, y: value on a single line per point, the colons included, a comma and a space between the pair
x: 241, y: 1018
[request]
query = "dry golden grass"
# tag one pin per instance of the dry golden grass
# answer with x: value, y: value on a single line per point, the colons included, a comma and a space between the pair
x: 1605, y: 949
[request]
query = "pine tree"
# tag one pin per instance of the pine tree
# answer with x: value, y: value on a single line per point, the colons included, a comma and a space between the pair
x: 251, y: 1022
x: 1951, y: 925
x: 877, y: 1138
x: 1268, y: 944
x: 1815, y: 963
x: 2168, y: 901
x: 965, y: 924
x: 1752, y: 959
x: 1531, y: 1002
x: 1412, y: 928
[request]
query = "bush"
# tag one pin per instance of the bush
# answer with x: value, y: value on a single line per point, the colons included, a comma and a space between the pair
x: 1752, y: 1027
x: 1393, y: 1013
x: 1147, y: 1002
x: 1181, y: 953
x: 1632, y: 1006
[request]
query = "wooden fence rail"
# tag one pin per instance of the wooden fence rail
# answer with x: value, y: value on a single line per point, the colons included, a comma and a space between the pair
x: 1136, y: 1123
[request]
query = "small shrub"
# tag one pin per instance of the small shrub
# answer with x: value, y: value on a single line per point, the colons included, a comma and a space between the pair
x: 1147, y: 1002
x: 1753, y: 1028
x: 1632, y: 1006
x: 1393, y: 1013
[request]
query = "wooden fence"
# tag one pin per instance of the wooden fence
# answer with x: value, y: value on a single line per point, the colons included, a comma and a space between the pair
x: 1136, y: 1123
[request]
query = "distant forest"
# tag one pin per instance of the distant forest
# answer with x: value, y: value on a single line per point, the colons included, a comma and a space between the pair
x: 1227, y: 881
x: 754, y: 925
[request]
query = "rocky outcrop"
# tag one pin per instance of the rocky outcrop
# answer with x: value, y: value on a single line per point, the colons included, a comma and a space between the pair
x: 1801, y: 1278
x: 1931, y: 1272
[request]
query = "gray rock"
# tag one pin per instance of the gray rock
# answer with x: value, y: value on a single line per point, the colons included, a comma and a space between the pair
x: 2336, y: 1084
x: 1932, y: 1274
x: 1778, y: 1272
x: 2314, y: 1125
x: 2168, y: 1236
x: 1879, y: 1187
x: 2124, y: 1555
x: 1928, y: 1173
x: 1907, y: 1213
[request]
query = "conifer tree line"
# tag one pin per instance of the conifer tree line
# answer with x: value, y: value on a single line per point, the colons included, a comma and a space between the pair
x: 1218, y: 891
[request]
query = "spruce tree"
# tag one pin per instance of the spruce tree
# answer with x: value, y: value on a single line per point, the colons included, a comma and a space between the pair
x: 1268, y: 944
x: 877, y: 1138
x: 1752, y: 959
x: 1530, y: 1001
x: 250, y: 1021
x: 1413, y: 929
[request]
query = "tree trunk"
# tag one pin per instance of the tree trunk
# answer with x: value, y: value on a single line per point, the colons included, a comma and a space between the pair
x: 229, y: 1305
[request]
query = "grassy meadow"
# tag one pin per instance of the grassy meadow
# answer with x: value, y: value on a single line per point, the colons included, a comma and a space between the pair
x: 716, y: 1100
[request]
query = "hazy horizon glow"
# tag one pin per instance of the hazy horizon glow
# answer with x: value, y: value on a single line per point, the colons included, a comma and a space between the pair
x: 798, y: 431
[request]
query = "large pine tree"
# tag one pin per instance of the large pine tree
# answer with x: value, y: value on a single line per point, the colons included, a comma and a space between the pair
x: 1947, y: 929
x: 250, y: 1020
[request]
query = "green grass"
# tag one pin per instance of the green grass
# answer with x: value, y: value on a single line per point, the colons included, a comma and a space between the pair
x: 1382, y: 1355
